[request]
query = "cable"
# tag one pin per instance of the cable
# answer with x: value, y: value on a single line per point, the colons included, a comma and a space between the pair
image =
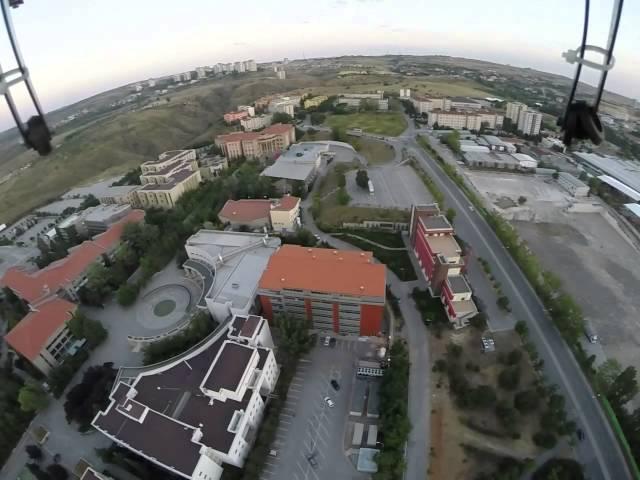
x: 585, y: 30
x: 612, y: 41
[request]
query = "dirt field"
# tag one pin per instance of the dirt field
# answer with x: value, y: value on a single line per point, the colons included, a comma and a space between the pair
x: 596, y: 263
x: 600, y: 269
x: 450, y: 433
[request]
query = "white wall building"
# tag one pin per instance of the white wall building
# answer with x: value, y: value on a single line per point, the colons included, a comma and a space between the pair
x: 201, y: 72
x: 228, y: 265
x: 514, y: 109
x: 405, y: 93
x: 200, y: 410
x: 247, y: 108
x: 529, y: 122
x: 281, y: 74
x: 256, y: 123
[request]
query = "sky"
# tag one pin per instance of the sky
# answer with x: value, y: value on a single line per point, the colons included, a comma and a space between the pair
x: 76, y: 48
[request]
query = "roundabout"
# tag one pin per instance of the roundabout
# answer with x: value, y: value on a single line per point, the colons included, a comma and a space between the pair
x: 163, y: 307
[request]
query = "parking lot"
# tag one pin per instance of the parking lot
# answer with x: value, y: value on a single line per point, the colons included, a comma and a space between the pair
x: 308, y: 426
x: 394, y: 186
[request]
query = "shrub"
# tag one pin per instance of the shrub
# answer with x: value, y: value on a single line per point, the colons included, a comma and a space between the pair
x: 526, y: 400
x: 509, y: 378
x: 544, y: 439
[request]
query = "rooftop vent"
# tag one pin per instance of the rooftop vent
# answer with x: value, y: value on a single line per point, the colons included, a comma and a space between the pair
x: 235, y: 285
x: 361, y: 287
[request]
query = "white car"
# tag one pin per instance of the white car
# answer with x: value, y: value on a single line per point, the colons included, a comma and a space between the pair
x: 327, y: 341
x: 329, y: 402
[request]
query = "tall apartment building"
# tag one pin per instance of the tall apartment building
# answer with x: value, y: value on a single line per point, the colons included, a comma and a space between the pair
x: 529, y: 122
x: 337, y: 290
x: 250, y: 66
x: 201, y: 72
x: 256, y: 123
x: 264, y: 144
x: 284, y: 105
x: 441, y: 262
x: 200, y: 410
x: 470, y: 120
x: 166, y: 179
x: 513, y: 111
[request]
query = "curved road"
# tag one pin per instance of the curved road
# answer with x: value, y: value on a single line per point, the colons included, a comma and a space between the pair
x: 599, y: 452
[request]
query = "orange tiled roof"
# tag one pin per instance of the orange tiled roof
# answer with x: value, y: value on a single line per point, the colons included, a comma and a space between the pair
x: 325, y: 270
x: 287, y: 202
x: 245, y: 210
x: 36, y: 286
x: 30, y: 335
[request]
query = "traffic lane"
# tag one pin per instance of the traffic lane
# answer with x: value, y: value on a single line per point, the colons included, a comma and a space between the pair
x: 552, y: 348
x: 419, y: 387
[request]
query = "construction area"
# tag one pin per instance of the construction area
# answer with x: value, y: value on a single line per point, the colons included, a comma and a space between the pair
x: 584, y: 243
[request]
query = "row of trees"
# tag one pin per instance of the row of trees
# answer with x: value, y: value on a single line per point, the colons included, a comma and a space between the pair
x: 394, y: 415
x: 90, y: 396
x: 201, y: 326
x: 13, y: 419
x: 452, y: 140
x: 58, y: 247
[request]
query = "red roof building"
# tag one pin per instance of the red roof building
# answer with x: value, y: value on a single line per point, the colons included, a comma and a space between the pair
x: 337, y: 290
x: 65, y: 274
x: 275, y: 214
x: 41, y: 336
x: 267, y: 143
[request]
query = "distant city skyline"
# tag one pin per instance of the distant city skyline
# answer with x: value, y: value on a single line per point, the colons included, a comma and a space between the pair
x: 85, y: 48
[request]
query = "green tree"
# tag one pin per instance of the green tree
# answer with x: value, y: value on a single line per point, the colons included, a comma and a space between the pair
x: 294, y: 334
x: 509, y: 378
x: 452, y: 140
x: 503, y: 302
x: 338, y: 135
x: 607, y: 373
x: 317, y: 118
x: 127, y: 294
x: 89, y: 201
x: 521, y: 328
x: 34, y: 452
x: 526, y: 400
x: 81, y: 326
x: 57, y: 472
x: 32, y: 397
x: 281, y: 117
x: 482, y: 396
x: 362, y: 179
x: 559, y: 469
x: 514, y: 357
x: 555, y: 175
x: 478, y: 321
x: 623, y: 388
x: 450, y: 214
x: 342, y: 180
x: 343, y: 197
x: 544, y: 439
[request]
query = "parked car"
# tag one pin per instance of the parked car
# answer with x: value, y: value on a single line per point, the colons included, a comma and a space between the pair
x: 591, y: 334
x: 332, y: 342
x: 312, y: 460
x: 335, y: 384
x: 273, y: 453
x: 329, y: 402
x: 327, y: 341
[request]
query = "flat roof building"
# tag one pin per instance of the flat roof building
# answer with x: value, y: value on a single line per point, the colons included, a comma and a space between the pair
x: 442, y: 262
x: 228, y: 265
x: 275, y: 214
x: 200, y: 410
x: 624, y: 171
x: 265, y: 144
x: 166, y: 179
x: 300, y: 163
x: 337, y: 290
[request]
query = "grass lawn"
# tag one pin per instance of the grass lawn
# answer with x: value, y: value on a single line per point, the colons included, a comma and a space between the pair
x: 389, y: 239
x: 317, y: 136
x: 392, y: 123
x: 375, y: 151
x: 398, y: 261
x: 333, y: 215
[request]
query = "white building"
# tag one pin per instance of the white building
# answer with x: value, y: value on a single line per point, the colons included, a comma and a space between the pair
x: 200, y: 410
x: 256, y: 123
x: 464, y: 103
x: 529, y: 122
x: 471, y: 120
x: 405, y: 93
x: 151, y: 83
x: 239, y: 67
x: 284, y: 104
x: 513, y: 111
x: 250, y: 66
x: 201, y: 72
x: 247, y: 108
x: 281, y: 74
x: 573, y: 185
x: 228, y: 265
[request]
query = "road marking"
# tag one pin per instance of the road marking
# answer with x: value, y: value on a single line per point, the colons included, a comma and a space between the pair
x: 532, y: 320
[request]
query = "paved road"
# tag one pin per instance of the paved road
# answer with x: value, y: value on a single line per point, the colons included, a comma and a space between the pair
x: 417, y: 454
x: 599, y: 452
